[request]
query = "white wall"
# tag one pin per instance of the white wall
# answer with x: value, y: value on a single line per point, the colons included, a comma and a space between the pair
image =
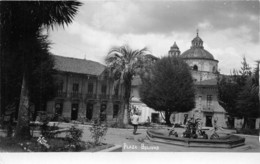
x: 203, y: 65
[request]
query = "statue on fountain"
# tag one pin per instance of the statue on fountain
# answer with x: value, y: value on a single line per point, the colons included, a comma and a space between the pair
x: 194, y: 130
x: 214, y: 134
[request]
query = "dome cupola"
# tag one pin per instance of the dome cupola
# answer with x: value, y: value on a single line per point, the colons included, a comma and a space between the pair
x: 197, y: 42
x: 197, y: 50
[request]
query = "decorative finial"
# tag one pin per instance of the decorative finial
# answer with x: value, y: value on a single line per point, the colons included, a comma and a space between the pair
x: 197, y: 32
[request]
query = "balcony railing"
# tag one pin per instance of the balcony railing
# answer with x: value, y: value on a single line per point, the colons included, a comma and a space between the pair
x: 117, y: 97
x: 76, y: 95
x: 104, y: 96
x: 207, y: 108
x: 91, y: 96
x: 61, y: 94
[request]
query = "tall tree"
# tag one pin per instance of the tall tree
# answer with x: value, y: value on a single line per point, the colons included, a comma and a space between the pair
x: 22, y: 24
x: 247, y: 103
x: 168, y: 87
x: 124, y: 63
x: 227, y: 94
x: 241, y: 76
x: 238, y: 93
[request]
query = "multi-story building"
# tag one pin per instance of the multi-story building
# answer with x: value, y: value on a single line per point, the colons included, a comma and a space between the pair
x: 85, y: 91
x: 204, y: 70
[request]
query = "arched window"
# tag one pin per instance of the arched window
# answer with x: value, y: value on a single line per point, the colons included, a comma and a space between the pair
x: 195, y: 67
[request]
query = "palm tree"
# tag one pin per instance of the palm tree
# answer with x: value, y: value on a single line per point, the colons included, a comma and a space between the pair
x: 23, y: 22
x: 124, y: 63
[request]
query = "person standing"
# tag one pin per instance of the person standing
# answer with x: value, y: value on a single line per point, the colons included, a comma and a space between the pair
x: 135, y: 121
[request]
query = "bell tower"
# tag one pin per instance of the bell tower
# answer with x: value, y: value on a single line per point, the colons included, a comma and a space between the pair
x: 174, y: 50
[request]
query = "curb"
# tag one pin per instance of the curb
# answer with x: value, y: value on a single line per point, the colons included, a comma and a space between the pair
x: 246, y: 135
x: 116, y: 148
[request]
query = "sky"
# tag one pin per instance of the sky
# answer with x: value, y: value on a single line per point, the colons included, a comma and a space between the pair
x: 229, y: 29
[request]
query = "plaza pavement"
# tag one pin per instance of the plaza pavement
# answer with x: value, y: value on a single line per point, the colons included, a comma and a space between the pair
x: 139, y: 142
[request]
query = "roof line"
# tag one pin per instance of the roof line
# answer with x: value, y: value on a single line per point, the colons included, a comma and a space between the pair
x: 199, y: 58
x: 78, y: 59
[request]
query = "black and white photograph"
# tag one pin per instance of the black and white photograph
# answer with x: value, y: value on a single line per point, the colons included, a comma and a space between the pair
x: 85, y: 76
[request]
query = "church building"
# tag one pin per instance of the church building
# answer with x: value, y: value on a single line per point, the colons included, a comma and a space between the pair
x: 204, y: 70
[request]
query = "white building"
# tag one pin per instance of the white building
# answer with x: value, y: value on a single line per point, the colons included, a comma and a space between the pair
x: 204, y: 69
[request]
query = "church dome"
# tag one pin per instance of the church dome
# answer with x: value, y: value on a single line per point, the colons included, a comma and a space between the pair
x: 197, y: 50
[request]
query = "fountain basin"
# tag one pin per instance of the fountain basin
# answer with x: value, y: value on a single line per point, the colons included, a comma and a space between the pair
x: 225, y: 141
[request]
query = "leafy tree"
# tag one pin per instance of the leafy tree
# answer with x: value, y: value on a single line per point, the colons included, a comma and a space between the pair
x: 238, y: 93
x: 42, y: 85
x: 247, y: 103
x: 21, y: 25
x: 227, y: 94
x: 124, y: 63
x: 168, y: 87
x: 241, y: 76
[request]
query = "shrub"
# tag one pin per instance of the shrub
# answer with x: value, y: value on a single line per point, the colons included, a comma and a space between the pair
x: 64, y: 119
x: 98, y: 131
x: 74, y: 139
x: 114, y: 125
x: 46, y: 130
x: 248, y: 131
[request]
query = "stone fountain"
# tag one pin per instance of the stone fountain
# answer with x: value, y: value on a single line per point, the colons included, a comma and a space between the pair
x: 195, y: 136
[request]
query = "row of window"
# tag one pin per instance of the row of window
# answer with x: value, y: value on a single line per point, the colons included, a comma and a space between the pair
x: 195, y: 68
x: 89, y: 110
x: 209, y: 100
x: 75, y: 88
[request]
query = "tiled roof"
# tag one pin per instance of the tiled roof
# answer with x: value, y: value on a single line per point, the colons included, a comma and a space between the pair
x: 207, y: 82
x: 80, y: 66
x: 137, y: 81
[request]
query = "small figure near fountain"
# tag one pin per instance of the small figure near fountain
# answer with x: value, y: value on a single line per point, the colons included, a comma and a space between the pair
x: 172, y: 131
x: 214, y: 134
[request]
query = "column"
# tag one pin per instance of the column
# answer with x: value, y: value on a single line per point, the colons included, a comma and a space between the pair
x: 66, y: 109
x: 82, y: 111
x: 96, y: 110
x: 50, y: 107
x: 109, y: 111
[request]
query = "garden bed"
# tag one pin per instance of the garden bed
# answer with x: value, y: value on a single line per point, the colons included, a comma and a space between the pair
x: 57, y: 145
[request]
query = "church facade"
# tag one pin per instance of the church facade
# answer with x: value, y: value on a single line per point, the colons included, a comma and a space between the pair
x: 204, y: 70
